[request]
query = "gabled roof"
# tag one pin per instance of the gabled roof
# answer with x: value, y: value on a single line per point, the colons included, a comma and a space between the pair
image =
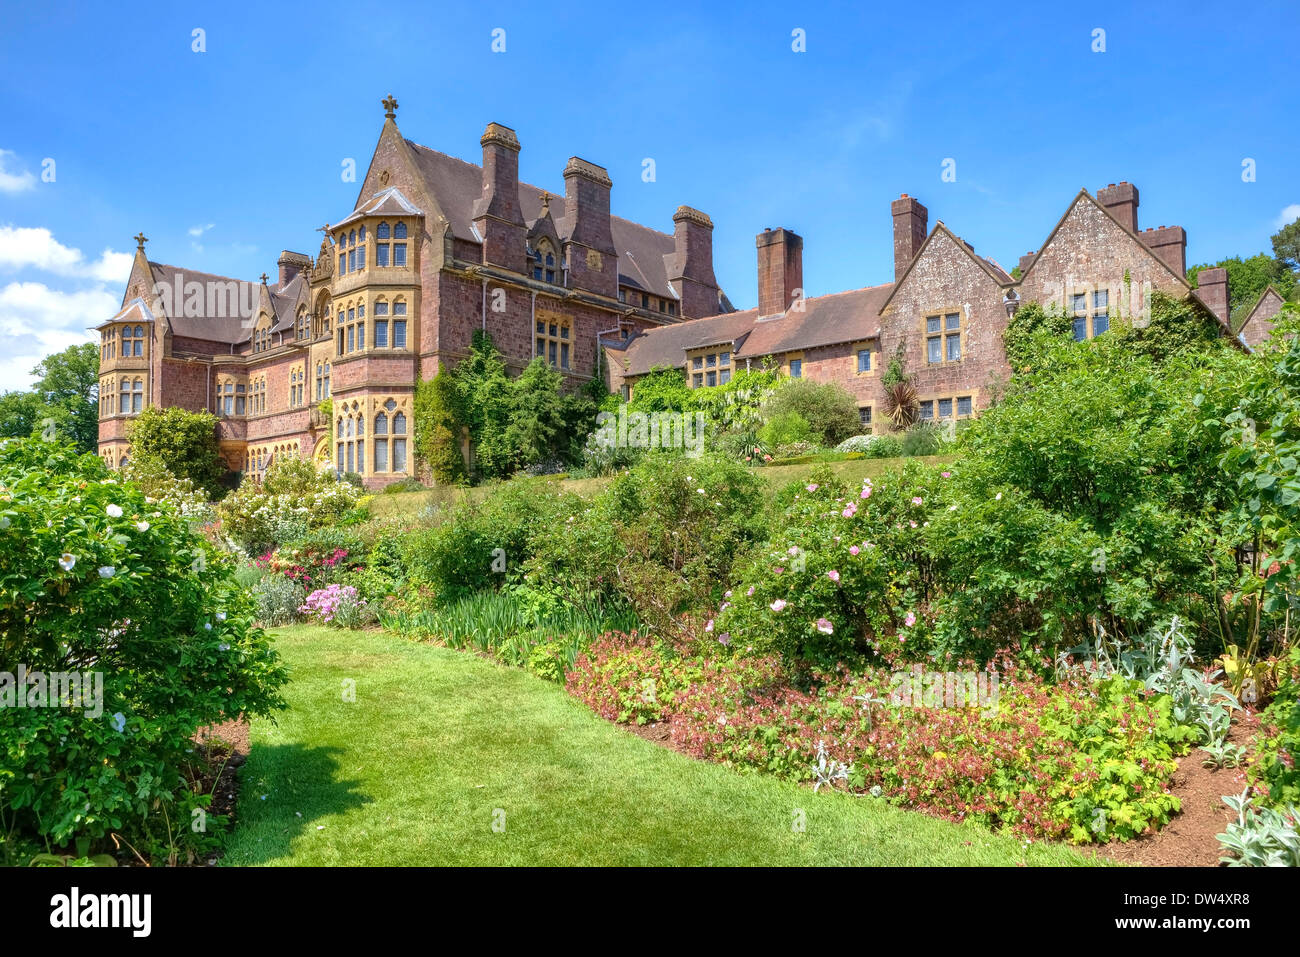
x: 1270, y: 292
x: 1079, y: 196
x: 285, y: 301
x: 994, y: 271
x: 666, y: 346
x: 852, y: 316
x: 456, y: 184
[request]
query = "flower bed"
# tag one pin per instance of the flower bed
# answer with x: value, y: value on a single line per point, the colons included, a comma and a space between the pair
x: 1081, y: 761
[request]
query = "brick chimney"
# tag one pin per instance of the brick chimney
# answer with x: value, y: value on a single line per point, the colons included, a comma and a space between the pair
x: 291, y: 264
x: 780, y: 270
x: 692, y: 273
x: 589, y: 247
x: 911, y: 223
x: 497, y: 215
x: 1170, y: 244
x: 1122, y: 202
x: 1212, y: 289
x: 1025, y: 260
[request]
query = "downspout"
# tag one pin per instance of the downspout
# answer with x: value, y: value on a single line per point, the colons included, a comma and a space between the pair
x: 483, y: 308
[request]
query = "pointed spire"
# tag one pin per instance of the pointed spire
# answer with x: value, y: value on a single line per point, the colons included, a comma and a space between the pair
x: 390, y: 107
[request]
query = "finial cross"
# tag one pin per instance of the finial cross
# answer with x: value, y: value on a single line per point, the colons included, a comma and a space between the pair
x: 140, y: 240
x: 390, y: 106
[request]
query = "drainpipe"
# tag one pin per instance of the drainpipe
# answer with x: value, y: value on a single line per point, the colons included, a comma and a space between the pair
x: 484, y: 304
x: 599, y: 350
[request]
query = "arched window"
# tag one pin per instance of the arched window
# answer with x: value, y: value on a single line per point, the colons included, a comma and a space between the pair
x: 382, y: 231
x: 390, y: 439
x: 327, y: 380
x: 399, y: 231
x: 361, y: 234
x: 352, y: 238
x: 137, y: 395
x: 124, y: 395
x: 303, y: 325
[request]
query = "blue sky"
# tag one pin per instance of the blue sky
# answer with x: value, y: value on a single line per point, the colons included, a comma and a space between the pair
x: 227, y: 156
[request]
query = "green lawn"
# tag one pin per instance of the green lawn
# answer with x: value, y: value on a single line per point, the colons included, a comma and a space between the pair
x: 437, y: 741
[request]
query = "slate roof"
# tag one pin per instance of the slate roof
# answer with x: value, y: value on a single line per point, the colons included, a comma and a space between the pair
x: 225, y: 328
x: 840, y: 317
x: 644, y: 254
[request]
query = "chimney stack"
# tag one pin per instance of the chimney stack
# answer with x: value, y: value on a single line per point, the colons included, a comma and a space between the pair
x: 780, y: 270
x: 692, y: 274
x: 1170, y: 244
x: 1212, y: 289
x: 1122, y: 202
x: 497, y: 215
x: 591, y: 257
x: 291, y: 264
x: 1025, y: 260
x: 911, y: 222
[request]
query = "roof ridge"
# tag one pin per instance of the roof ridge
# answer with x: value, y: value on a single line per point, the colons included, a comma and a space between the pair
x: 540, y: 189
x: 199, y: 271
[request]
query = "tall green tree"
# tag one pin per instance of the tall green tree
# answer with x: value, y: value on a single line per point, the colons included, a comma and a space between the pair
x: 1286, y: 245
x: 63, y: 404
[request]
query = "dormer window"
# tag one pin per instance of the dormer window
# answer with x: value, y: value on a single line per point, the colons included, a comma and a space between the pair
x: 543, y: 262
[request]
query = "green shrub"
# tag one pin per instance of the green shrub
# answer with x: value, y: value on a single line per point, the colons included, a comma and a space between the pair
x: 923, y: 438
x: 843, y: 575
x: 1086, y: 499
x: 405, y: 485
x: 276, y: 600
x: 1276, y: 772
x: 184, y: 442
x: 294, y: 499
x: 485, y: 544
x: 680, y: 522
x: 885, y: 447
x: 786, y: 429
x: 829, y: 409
x: 94, y: 577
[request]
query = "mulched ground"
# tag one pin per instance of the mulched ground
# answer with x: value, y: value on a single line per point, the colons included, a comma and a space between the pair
x: 1188, y: 840
x: 223, y: 749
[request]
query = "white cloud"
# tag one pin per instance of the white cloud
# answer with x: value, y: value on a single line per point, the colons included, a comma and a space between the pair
x: 26, y: 247
x: 14, y: 182
x: 1288, y: 216
x: 37, y: 321
x: 197, y: 231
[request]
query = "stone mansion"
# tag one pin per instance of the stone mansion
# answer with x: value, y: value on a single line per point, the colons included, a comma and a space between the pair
x: 436, y: 248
